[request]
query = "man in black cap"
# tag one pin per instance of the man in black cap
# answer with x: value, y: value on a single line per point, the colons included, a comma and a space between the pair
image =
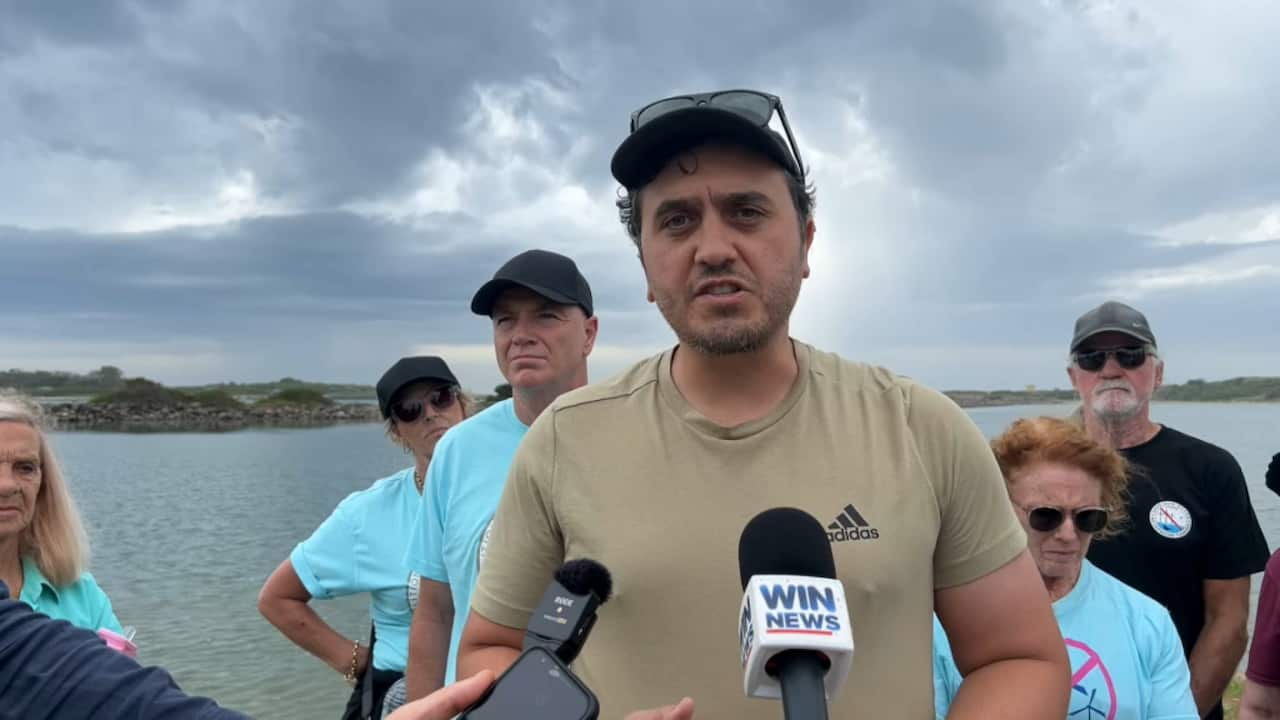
x: 544, y: 327
x: 656, y: 471
x: 1194, y: 540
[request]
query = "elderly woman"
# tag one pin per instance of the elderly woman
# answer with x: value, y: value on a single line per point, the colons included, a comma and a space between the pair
x: 43, y: 550
x: 359, y: 548
x: 1126, y: 657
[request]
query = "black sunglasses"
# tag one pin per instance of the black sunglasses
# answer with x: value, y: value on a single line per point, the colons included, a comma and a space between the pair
x: 1128, y: 358
x: 1048, y: 519
x: 440, y: 399
x: 758, y: 107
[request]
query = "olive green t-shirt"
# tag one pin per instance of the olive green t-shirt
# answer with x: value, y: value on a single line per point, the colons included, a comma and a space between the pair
x: 627, y: 473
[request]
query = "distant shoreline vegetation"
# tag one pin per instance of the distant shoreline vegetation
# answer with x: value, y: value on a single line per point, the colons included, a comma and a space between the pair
x: 139, y: 404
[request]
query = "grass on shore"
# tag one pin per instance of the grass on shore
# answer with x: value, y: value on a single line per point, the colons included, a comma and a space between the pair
x: 1231, y: 700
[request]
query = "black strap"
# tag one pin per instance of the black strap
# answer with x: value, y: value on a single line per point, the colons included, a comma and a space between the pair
x: 366, y: 698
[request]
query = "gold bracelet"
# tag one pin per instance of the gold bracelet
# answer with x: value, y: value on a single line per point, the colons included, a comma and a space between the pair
x: 350, y: 675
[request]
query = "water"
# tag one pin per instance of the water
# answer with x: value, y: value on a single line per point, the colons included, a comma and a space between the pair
x: 186, y: 527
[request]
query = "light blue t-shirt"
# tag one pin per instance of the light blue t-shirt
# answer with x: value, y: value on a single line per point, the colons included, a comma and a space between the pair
x: 82, y: 603
x: 358, y: 549
x: 1126, y: 658
x: 464, y: 483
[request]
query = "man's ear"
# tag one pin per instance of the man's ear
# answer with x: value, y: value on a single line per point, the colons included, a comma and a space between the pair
x: 809, y: 229
x: 593, y: 329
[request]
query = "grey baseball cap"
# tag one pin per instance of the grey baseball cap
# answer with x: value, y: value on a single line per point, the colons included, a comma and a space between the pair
x: 1112, y: 316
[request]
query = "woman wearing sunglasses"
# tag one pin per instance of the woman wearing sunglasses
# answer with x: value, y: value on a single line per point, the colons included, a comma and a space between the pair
x: 359, y: 548
x: 1126, y: 657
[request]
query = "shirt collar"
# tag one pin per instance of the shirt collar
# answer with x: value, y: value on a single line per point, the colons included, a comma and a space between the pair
x: 34, y: 583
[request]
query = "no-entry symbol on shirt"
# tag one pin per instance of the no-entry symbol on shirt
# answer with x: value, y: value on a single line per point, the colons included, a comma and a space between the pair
x: 1170, y: 519
x: 1093, y: 694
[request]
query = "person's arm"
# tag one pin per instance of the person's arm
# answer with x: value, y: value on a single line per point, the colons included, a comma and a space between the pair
x: 448, y: 702
x: 1259, y: 702
x: 1006, y: 645
x: 431, y: 629
x: 429, y: 635
x: 47, y: 665
x: 1261, y: 697
x: 1235, y: 548
x: 486, y: 645
x: 1222, y: 641
x: 988, y: 594
x: 283, y: 601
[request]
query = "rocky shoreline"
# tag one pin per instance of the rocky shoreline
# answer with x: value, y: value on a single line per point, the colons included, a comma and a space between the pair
x: 197, y: 417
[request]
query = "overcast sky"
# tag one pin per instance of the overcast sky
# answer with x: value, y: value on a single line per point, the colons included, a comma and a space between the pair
x: 242, y: 190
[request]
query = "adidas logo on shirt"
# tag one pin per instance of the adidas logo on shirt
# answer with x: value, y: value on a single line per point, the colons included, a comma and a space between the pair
x: 849, y: 525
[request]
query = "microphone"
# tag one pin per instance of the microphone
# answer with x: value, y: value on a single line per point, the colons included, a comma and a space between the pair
x: 794, y: 629
x: 567, y: 612
x: 539, y: 685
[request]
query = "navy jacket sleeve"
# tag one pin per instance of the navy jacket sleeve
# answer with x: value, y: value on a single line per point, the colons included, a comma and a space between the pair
x: 52, y: 669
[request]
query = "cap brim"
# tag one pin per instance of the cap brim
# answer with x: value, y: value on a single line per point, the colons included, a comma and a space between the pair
x: 482, y: 302
x: 1111, y: 328
x: 646, y: 151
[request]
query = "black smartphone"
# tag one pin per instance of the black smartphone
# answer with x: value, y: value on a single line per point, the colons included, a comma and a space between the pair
x: 536, y: 687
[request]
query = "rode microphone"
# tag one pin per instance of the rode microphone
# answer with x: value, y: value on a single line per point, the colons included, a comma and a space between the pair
x: 794, y: 629
x: 539, y: 685
x: 567, y: 612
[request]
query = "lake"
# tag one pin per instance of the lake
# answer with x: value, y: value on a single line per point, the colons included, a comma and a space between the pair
x: 185, y: 528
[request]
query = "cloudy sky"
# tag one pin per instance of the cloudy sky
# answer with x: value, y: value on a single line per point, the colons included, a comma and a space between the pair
x: 242, y: 190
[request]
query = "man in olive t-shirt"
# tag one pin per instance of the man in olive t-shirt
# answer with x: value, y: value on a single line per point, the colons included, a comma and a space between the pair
x: 655, y: 472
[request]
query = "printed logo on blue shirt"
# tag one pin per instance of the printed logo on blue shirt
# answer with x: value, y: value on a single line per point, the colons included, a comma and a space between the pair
x: 484, y: 546
x: 1093, y: 693
x: 411, y: 591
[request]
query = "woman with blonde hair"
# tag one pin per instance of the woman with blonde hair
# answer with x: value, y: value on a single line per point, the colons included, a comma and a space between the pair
x: 43, y: 550
x: 360, y: 547
x: 1126, y: 657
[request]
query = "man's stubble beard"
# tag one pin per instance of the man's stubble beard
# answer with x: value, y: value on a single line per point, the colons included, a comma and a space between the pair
x: 729, y: 336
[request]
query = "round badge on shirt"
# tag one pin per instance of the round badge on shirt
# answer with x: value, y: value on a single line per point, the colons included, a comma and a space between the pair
x: 1170, y: 519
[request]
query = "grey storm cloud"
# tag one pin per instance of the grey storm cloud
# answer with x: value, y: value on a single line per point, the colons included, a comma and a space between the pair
x: 256, y: 273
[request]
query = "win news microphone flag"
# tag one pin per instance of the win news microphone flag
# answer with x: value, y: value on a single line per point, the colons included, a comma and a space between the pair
x: 794, y: 630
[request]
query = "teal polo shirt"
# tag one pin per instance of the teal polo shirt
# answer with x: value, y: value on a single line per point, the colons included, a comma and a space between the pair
x: 358, y: 549
x: 82, y: 603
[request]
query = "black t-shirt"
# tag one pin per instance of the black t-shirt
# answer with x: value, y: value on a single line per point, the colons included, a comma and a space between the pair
x: 52, y: 669
x: 1190, y: 520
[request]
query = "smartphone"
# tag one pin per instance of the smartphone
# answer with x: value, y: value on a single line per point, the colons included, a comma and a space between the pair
x: 536, y: 687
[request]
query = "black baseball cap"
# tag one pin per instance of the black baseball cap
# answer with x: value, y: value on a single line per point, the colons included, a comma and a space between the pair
x: 406, y: 371
x: 1112, y: 316
x: 643, y: 154
x: 551, y: 275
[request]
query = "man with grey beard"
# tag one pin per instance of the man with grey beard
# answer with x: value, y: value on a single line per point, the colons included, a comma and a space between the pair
x: 1194, y: 539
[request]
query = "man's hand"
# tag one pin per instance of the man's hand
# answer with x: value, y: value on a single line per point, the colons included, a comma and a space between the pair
x: 446, y: 702
x: 450, y: 700
x: 682, y: 710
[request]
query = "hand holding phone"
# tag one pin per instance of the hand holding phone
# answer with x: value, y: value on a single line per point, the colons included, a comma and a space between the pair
x: 537, y: 686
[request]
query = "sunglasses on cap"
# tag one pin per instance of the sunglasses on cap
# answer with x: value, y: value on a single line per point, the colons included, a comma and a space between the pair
x: 758, y: 107
x: 440, y: 399
x: 1128, y: 358
x: 1047, y: 519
